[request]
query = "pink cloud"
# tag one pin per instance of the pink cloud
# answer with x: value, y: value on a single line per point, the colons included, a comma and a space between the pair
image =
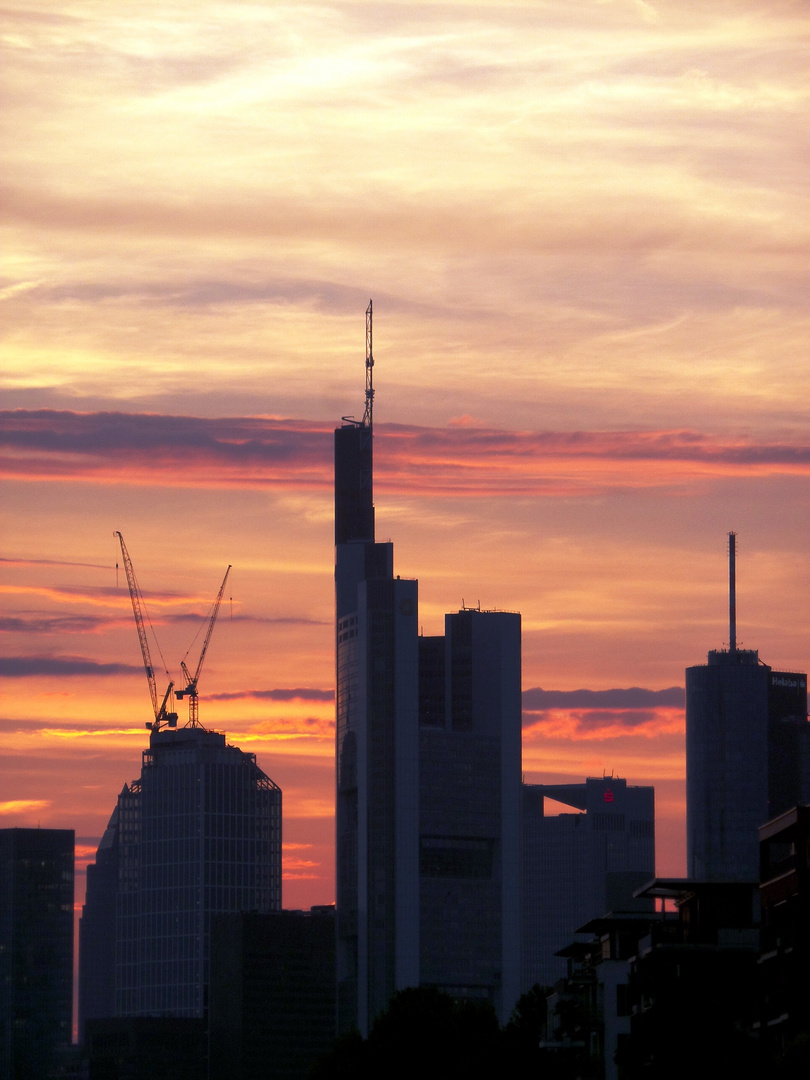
x: 459, y: 460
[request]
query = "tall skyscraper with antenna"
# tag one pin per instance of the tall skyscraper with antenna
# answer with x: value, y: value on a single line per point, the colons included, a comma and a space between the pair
x: 428, y: 773
x: 747, y: 753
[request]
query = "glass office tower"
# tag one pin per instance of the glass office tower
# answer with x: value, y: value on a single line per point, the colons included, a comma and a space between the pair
x: 197, y: 834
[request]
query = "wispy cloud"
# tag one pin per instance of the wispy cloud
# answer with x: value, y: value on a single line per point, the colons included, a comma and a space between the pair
x: 536, y: 699
x: 57, y: 624
x: 300, y: 693
x: 23, y: 667
x: 458, y: 460
x: 593, y: 723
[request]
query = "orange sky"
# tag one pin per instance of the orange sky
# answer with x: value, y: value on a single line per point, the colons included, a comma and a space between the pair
x: 585, y: 230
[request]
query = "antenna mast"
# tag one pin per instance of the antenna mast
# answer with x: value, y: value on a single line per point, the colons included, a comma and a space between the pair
x: 732, y: 592
x: 367, y: 415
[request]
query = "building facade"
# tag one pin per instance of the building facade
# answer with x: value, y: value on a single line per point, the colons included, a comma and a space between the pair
x: 428, y: 775
x: 272, y: 1010
x: 469, y: 808
x: 97, y: 930
x: 36, y: 950
x: 579, y: 866
x: 198, y: 833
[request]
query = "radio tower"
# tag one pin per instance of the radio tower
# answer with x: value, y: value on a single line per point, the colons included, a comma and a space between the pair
x: 367, y: 415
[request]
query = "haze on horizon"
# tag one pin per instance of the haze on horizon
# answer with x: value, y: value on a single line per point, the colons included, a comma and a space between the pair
x: 584, y: 229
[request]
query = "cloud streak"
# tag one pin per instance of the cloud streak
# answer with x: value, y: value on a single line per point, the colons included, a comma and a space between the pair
x: 602, y: 714
x: 300, y: 693
x: 460, y: 460
x: 26, y: 667
x: 536, y: 699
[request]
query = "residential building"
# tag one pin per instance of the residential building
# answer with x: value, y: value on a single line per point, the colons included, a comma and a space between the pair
x: 693, y: 984
x: 784, y: 961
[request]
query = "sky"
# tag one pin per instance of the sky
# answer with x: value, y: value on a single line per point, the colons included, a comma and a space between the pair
x: 584, y: 228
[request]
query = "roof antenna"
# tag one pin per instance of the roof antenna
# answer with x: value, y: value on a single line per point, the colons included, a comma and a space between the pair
x: 732, y: 592
x: 369, y: 369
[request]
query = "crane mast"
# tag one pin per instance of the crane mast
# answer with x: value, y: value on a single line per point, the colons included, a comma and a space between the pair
x: 135, y: 595
x: 190, y: 690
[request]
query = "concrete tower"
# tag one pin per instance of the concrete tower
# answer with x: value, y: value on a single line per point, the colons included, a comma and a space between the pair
x: 747, y: 753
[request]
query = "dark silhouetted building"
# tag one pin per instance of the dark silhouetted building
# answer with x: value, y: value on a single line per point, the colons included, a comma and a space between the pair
x: 428, y: 774
x: 589, y: 1011
x: 747, y: 754
x: 579, y: 866
x: 469, y: 810
x: 784, y: 963
x: 199, y: 833
x: 145, y: 1048
x: 97, y: 930
x: 693, y: 984
x: 272, y: 1002
x: 36, y: 950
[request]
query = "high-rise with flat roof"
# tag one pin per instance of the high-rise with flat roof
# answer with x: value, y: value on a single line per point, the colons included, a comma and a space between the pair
x: 580, y: 865
x: 36, y: 950
x: 428, y: 773
x: 197, y: 834
x: 747, y: 753
x: 469, y: 810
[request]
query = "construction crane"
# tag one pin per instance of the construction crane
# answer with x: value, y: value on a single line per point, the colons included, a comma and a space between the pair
x: 190, y: 690
x: 162, y: 716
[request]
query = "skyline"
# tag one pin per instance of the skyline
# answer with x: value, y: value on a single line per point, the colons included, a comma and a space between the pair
x: 584, y: 232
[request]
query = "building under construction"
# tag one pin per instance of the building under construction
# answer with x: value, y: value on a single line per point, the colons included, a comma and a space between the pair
x: 197, y: 834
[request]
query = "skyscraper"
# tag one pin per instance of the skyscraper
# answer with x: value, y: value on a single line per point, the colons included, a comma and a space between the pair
x: 428, y: 773
x: 469, y: 808
x: 36, y: 950
x: 747, y: 753
x: 580, y: 866
x: 97, y: 929
x: 198, y: 833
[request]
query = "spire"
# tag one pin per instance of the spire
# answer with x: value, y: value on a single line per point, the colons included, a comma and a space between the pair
x: 354, y: 461
x: 732, y: 592
x: 367, y: 415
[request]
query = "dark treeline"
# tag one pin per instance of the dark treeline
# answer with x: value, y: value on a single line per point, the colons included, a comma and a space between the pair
x: 426, y: 1033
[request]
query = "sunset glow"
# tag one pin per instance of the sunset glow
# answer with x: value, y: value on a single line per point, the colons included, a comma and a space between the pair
x: 585, y: 230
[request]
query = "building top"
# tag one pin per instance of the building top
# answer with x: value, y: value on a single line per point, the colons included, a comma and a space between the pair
x: 182, y: 738
x: 791, y: 817
x: 681, y: 889
x: 733, y: 657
